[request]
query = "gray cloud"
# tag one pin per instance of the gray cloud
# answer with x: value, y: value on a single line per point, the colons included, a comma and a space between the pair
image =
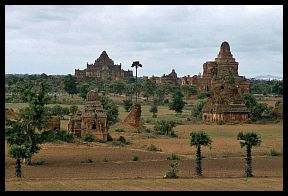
x: 58, y: 39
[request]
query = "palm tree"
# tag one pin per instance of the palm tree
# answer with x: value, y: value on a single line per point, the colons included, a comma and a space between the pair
x: 136, y: 64
x: 249, y: 140
x: 198, y: 139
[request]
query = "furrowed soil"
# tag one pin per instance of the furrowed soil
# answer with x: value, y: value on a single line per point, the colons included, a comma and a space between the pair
x: 102, y: 166
x: 66, y: 167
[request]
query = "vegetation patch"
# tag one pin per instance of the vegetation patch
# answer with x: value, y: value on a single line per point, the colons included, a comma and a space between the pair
x: 39, y: 163
x: 153, y: 148
x: 173, y: 157
x: 273, y: 152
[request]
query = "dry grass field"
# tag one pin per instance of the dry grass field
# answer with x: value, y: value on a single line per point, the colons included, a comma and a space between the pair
x: 66, y: 166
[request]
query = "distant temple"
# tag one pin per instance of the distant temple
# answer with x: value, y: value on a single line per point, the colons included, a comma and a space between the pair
x: 213, y: 70
x: 167, y: 79
x: 103, y: 68
x: 93, y: 120
x: 220, y: 77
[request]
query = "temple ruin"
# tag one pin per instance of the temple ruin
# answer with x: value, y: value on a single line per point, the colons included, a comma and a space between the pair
x: 93, y: 120
x: 226, y: 87
x: 103, y: 68
x: 216, y: 69
x: 167, y: 79
x: 134, y: 116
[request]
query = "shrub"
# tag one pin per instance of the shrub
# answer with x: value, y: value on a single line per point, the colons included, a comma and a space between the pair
x: 105, y: 159
x: 197, y: 108
x: 173, y: 170
x: 173, y: 157
x: 52, y: 136
x: 220, y: 122
x: 173, y: 134
x: 109, y: 137
x: 119, y: 130
x: 90, y: 138
x: 127, y: 104
x: 87, y: 161
x: 164, y: 127
x: 123, y: 140
x: 147, y: 130
x: 274, y: 152
x: 38, y: 163
x: 135, y: 158
x: 152, y: 147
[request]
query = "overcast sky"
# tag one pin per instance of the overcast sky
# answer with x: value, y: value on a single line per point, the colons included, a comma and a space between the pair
x: 59, y: 39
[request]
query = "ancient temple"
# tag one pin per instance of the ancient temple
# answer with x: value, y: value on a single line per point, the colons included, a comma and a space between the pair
x: 216, y: 69
x: 103, y: 68
x: 167, y: 79
x: 226, y: 87
x: 92, y: 120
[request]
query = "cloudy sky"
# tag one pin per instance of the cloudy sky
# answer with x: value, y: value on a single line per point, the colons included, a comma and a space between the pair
x: 59, y: 39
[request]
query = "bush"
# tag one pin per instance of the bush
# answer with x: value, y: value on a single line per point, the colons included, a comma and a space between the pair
x: 173, y: 157
x: 273, y: 152
x: 152, y: 147
x: 173, y: 134
x: 38, y: 163
x: 52, y: 136
x: 109, y: 137
x: 135, y: 158
x: 87, y: 161
x: 164, y: 127
x: 127, y: 104
x: 119, y: 130
x: 90, y: 138
x: 173, y: 170
x: 123, y: 140
x: 220, y: 122
x: 197, y: 108
x: 204, y: 95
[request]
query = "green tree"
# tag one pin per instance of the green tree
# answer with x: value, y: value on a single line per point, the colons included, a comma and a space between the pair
x: 70, y: 85
x: 197, y: 108
x: 111, y: 109
x: 117, y: 87
x: 199, y: 139
x: 83, y: 89
x: 127, y: 104
x: 154, y: 109
x: 160, y: 93
x: 18, y: 152
x: 256, y: 110
x: 148, y: 87
x: 277, y: 88
x: 73, y: 109
x: 32, y: 119
x: 130, y: 90
x: 164, y: 127
x: 188, y: 90
x: 249, y: 139
x: 177, y: 103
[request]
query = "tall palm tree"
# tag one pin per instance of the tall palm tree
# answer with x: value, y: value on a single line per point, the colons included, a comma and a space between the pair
x: 199, y: 139
x: 136, y: 64
x: 248, y: 139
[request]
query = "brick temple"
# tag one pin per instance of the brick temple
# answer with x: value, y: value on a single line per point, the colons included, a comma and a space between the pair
x: 93, y: 120
x: 227, y: 88
x: 103, y: 68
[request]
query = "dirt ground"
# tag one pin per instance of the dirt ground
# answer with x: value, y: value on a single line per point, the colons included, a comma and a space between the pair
x: 66, y: 168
